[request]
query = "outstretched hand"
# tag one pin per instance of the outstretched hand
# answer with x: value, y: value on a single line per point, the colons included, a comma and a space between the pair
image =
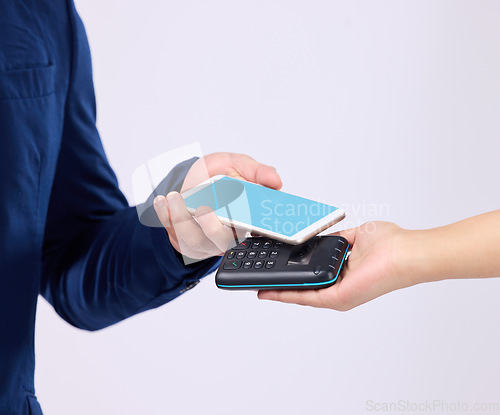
x: 371, y: 270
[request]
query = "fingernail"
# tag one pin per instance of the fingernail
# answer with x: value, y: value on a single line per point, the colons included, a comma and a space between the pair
x: 160, y: 202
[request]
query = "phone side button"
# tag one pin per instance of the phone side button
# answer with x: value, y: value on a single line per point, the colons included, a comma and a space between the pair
x: 317, y: 270
x: 232, y: 265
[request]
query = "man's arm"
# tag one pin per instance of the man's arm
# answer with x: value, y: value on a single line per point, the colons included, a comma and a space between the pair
x: 100, y: 264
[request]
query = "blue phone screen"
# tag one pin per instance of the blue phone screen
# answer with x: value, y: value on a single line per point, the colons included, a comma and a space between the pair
x: 259, y: 206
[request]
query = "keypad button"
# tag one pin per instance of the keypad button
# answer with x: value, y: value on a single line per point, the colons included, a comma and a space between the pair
x: 317, y: 270
x: 231, y: 254
x: 256, y: 245
x: 243, y: 245
x: 270, y: 264
x: 267, y: 245
x: 278, y: 244
x: 258, y: 264
x: 241, y: 254
x: 252, y: 254
x: 247, y: 264
x: 232, y: 264
x: 273, y: 254
x: 262, y: 254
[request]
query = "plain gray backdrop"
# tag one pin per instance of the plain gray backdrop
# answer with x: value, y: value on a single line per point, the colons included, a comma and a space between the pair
x: 390, y: 109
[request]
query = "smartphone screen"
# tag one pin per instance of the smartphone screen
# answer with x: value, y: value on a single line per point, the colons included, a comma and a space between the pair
x: 258, y: 206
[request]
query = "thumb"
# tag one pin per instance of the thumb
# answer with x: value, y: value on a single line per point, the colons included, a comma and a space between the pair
x: 349, y: 234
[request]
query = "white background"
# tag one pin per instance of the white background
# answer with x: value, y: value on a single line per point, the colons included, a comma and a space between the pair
x: 387, y: 105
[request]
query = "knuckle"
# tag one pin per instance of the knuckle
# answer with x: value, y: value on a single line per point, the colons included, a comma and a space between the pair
x: 211, y: 229
x: 211, y: 226
x: 177, y: 216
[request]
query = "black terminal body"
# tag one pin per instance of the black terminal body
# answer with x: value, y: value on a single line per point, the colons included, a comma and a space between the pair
x: 262, y: 263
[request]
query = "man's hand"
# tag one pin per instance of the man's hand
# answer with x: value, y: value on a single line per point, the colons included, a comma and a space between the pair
x: 203, y: 235
x: 371, y: 270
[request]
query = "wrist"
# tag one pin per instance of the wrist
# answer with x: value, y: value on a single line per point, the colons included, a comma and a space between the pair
x: 415, y: 257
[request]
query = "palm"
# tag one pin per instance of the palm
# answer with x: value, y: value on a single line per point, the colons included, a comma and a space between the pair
x: 369, y: 272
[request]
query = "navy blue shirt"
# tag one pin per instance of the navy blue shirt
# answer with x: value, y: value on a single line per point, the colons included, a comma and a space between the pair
x: 66, y: 230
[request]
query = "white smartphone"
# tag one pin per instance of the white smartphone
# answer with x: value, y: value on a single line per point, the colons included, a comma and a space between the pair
x: 258, y: 209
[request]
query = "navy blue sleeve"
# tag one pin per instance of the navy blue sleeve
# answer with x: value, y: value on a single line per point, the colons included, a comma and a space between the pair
x: 100, y: 264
